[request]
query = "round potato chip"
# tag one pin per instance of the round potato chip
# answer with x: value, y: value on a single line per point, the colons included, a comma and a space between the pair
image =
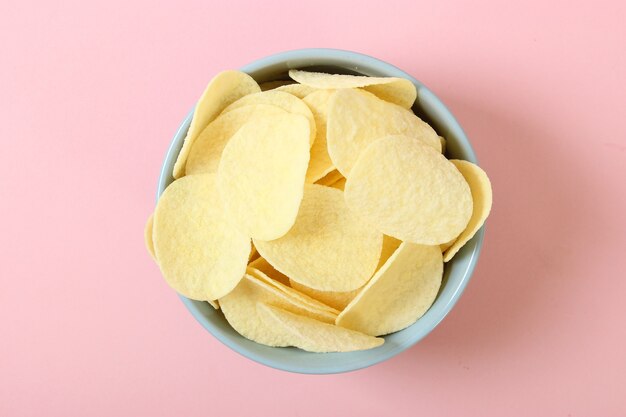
x: 395, y: 90
x: 398, y: 294
x: 225, y: 88
x: 201, y: 254
x: 320, y: 163
x: 285, y: 101
x: 328, y: 248
x: 480, y: 187
x: 409, y: 191
x: 261, y: 175
x: 298, y: 90
x: 240, y: 309
x: 147, y: 236
x: 358, y: 118
x: 313, y: 335
x: 206, y: 152
x: 339, y: 300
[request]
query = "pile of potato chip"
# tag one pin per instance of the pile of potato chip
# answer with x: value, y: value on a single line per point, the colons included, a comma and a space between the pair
x: 315, y: 214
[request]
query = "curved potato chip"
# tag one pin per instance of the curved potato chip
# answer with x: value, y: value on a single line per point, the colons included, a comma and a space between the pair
x: 395, y: 90
x: 285, y: 101
x: 328, y: 248
x: 298, y: 90
x: 313, y: 335
x: 205, y: 155
x: 409, y: 191
x: 398, y: 294
x: 147, y: 237
x: 261, y: 175
x: 320, y: 163
x: 224, y: 89
x: 480, y: 187
x: 272, y: 85
x: 340, y: 300
x: 358, y: 118
x: 201, y: 254
x: 262, y: 265
x: 292, y: 292
x: 240, y: 309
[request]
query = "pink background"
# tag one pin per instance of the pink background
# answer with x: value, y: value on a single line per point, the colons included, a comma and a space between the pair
x: 91, y: 94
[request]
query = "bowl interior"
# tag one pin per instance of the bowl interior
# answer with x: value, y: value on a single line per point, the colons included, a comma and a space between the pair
x: 456, y: 272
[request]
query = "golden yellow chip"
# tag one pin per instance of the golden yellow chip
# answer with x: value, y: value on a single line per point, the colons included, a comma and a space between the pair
x: 340, y: 184
x: 201, y: 254
x: 240, y: 309
x: 292, y: 292
x: 480, y: 187
x: 395, y: 90
x: 398, y: 294
x: 285, y: 101
x: 272, y: 85
x: 147, y: 236
x: 330, y: 178
x: 224, y: 89
x: 339, y: 300
x: 298, y: 90
x: 261, y: 175
x: 358, y: 118
x: 328, y: 248
x: 262, y: 265
x: 320, y: 163
x: 409, y: 191
x: 205, y: 155
x: 313, y: 335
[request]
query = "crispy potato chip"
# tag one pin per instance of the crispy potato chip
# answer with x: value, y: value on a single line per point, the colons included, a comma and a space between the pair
x: 206, y: 153
x: 358, y: 118
x: 398, y: 294
x: 328, y: 248
x: 291, y: 292
x: 240, y: 309
x: 147, y: 236
x: 285, y: 101
x: 395, y: 90
x: 340, y: 300
x: 480, y: 187
x: 409, y: 191
x: 201, y: 254
x: 320, y: 163
x: 262, y: 265
x: 224, y: 89
x: 298, y: 90
x: 271, y: 85
x: 445, y: 246
x: 313, y: 335
x: 261, y: 175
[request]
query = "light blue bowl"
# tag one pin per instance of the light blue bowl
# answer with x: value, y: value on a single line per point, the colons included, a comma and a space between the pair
x: 457, y: 272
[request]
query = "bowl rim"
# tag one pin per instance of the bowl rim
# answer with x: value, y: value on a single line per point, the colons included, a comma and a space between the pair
x: 357, y: 60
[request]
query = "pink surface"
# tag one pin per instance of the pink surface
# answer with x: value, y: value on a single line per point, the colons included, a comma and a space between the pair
x: 90, y: 97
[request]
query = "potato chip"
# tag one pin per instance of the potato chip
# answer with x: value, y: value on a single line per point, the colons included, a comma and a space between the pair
x: 253, y: 255
x: 261, y: 175
x: 147, y: 236
x: 340, y: 184
x: 328, y: 248
x: 272, y: 85
x: 293, y: 293
x: 409, y: 191
x: 330, y: 178
x: 445, y: 246
x: 320, y: 163
x: 201, y: 254
x: 313, y: 335
x: 339, y: 300
x: 240, y: 309
x: 224, y: 89
x: 214, y: 303
x: 298, y: 90
x: 480, y: 187
x: 398, y: 294
x: 395, y: 90
x: 285, y: 101
x: 205, y: 155
x: 262, y: 265
x: 358, y: 118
